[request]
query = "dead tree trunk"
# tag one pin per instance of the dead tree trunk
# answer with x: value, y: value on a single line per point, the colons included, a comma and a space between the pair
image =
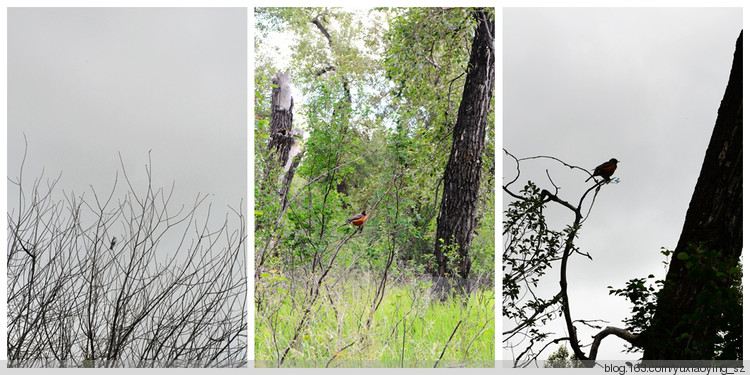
x: 281, y: 117
x: 462, y: 176
x: 285, y: 150
x: 683, y: 325
x: 283, y: 140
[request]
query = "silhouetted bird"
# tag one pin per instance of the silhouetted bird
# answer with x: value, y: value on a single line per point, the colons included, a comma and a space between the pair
x: 605, y: 170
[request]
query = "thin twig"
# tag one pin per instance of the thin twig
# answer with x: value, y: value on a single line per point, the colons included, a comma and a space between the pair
x: 338, y: 353
x: 446, y: 344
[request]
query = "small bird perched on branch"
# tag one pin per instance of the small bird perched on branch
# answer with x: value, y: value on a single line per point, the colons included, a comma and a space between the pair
x: 358, y: 220
x: 605, y: 170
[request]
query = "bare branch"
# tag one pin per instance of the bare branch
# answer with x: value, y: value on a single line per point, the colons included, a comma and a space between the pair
x: 619, y: 332
x: 446, y: 344
x: 77, y: 296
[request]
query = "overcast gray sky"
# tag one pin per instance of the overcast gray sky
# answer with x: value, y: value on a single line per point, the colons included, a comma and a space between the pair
x: 87, y: 83
x: 642, y: 85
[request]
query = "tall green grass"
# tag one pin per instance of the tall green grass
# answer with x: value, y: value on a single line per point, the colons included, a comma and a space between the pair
x: 409, y: 328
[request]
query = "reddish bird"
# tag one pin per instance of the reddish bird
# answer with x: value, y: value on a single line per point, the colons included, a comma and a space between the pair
x: 358, y: 220
x: 605, y: 170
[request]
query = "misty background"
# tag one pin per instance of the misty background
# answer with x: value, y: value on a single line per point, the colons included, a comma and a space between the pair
x: 85, y: 84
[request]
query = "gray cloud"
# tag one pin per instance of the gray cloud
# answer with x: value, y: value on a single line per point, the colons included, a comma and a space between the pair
x: 87, y: 83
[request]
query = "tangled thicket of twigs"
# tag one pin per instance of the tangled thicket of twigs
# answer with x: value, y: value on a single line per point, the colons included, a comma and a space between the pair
x: 123, y: 281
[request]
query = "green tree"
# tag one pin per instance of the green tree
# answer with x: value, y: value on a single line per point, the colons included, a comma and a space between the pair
x: 427, y: 59
x: 561, y: 358
x: 367, y: 147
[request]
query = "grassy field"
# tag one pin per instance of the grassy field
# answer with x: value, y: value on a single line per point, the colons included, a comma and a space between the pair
x: 408, y: 329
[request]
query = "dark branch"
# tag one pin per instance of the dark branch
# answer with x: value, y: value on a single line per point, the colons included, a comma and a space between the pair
x: 319, y: 25
x: 619, y: 332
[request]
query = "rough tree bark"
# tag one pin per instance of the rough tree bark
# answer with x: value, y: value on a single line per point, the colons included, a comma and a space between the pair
x: 284, y: 142
x: 713, y: 221
x: 281, y: 118
x: 283, y: 139
x: 462, y: 176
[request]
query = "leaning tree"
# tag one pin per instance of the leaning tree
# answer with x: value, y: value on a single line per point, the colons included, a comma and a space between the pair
x: 462, y: 177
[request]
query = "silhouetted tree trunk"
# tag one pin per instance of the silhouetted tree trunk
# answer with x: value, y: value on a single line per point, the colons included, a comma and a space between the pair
x: 683, y: 323
x: 462, y: 176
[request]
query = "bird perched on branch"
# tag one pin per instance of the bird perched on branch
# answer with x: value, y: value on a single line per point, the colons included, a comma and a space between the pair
x: 358, y: 220
x: 605, y: 170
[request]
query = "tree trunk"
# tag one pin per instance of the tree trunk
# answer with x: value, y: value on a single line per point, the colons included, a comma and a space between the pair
x: 681, y: 327
x: 282, y: 139
x: 462, y: 176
